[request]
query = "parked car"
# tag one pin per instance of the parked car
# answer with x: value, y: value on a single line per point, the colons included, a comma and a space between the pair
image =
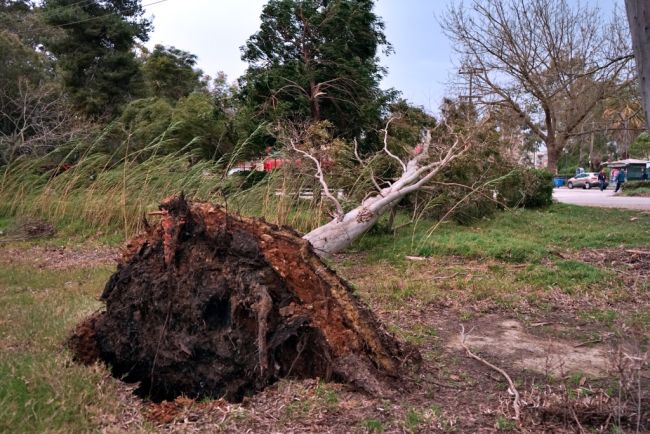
x: 584, y: 180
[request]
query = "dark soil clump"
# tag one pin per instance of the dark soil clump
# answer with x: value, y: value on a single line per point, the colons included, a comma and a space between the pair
x: 208, y: 304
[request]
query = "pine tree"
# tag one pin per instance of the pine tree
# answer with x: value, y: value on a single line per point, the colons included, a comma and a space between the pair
x: 95, y: 57
x: 317, y: 60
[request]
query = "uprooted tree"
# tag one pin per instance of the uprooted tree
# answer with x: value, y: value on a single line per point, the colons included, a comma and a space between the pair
x: 209, y: 304
x: 434, y: 153
x: 206, y: 303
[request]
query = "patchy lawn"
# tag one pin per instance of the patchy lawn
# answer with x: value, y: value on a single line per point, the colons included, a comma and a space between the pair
x: 516, y: 236
x: 560, y: 304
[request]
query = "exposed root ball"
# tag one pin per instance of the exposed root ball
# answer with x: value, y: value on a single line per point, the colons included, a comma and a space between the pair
x: 210, y: 304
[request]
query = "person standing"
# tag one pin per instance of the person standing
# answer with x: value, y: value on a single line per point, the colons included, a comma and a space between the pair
x: 602, y: 179
x: 620, y: 179
x: 644, y: 175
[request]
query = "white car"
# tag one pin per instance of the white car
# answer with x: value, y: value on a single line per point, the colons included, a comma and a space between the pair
x: 584, y: 180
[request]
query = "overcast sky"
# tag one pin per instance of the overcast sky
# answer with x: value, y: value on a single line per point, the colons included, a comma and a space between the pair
x: 421, y: 67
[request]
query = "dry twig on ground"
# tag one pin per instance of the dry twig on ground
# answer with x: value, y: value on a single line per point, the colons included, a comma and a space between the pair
x: 511, y: 385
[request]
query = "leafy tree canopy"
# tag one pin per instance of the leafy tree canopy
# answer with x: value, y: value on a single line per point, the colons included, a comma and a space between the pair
x: 94, y: 54
x: 193, y: 125
x: 317, y: 60
x: 640, y: 148
x: 170, y: 73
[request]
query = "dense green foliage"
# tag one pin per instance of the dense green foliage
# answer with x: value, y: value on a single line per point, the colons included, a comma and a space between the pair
x: 170, y: 73
x: 194, y: 124
x: 317, y: 60
x: 529, y: 188
x: 94, y: 53
x: 640, y: 148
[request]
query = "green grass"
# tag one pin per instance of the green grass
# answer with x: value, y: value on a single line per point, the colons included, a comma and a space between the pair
x: 505, y: 424
x: 603, y: 316
x: 417, y: 335
x: 642, y: 191
x: 5, y: 222
x: 502, y: 285
x: 40, y: 389
x: 373, y: 426
x: 413, y: 419
x: 515, y: 236
x: 570, y: 276
x: 327, y: 395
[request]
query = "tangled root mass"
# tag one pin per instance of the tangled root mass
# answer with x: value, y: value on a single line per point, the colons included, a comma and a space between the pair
x: 209, y: 304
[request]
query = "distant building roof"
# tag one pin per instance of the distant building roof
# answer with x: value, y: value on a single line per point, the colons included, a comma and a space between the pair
x: 623, y: 163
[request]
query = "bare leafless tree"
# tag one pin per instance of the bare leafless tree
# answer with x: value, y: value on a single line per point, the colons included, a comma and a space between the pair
x: 36, y: 119
x: 548, y: 61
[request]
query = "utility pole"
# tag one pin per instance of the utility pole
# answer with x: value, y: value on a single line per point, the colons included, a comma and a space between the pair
x: 471, y: 72
x: 591, y: 146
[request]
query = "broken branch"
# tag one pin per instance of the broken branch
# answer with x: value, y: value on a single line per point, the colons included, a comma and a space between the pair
x: 511, y: 385
x: 321, y: 179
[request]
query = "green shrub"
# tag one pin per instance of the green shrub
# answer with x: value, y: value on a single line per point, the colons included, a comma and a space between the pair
x: 144, y: 120
x: 636, y: 185
x: 532, y: 188
x: 521, y: 188
x: 512, y: 188
x: 192, y: 125
x: 640, y: 148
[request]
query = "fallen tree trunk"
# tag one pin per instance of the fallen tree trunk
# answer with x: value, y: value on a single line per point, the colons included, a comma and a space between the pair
x: 345, y: 228
x: 210, y: 304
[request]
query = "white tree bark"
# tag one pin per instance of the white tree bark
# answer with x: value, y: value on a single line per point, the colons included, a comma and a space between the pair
x: 346, y: 228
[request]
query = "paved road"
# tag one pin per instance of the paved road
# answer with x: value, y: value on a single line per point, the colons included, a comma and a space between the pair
x: 595, y: 197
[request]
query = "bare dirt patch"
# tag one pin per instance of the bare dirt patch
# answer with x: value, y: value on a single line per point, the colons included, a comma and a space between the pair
x: 509, y: 342
x: 57, y: 258
x: 632, y: 263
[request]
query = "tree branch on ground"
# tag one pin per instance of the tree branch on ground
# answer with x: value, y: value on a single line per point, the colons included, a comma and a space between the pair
x: 517, y: 402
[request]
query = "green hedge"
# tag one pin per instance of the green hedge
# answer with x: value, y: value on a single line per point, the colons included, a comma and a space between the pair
x: 528, y: 188
x: 635, y: 185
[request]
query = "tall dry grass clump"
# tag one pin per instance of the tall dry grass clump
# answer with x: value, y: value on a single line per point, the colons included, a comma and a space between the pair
x: 97, y: 187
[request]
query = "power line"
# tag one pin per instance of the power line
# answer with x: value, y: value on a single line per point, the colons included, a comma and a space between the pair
x: 48, y: 13
x: 108, y: 14
x: 76, y: 3
x: 42, y: 13
x: 73, y: 4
